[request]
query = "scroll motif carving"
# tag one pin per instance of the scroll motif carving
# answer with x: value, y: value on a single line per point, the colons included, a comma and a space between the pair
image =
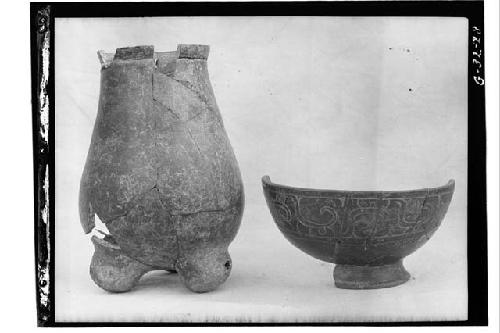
x: 352, y: 218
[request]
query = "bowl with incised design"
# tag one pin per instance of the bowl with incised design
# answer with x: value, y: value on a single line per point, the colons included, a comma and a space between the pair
x: 365, y: 233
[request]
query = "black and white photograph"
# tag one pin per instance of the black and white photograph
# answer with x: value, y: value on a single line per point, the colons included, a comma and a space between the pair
x: 278, y: 167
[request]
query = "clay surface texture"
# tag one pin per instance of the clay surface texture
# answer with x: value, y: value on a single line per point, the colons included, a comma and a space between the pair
x: 160, y: 171
x: 367, y: 234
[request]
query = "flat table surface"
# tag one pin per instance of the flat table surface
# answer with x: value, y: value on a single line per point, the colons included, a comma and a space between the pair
x: 271, y: 281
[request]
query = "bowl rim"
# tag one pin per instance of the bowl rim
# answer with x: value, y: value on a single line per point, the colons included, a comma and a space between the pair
x: 266, y: 181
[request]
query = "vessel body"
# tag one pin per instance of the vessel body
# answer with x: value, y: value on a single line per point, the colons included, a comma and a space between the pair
x: 160, y: 171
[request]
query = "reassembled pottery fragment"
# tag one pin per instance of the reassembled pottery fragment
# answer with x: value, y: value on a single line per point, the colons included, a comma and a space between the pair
x: 160, y: 171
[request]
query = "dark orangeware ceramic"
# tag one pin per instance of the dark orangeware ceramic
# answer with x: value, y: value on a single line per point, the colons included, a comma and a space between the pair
x: 160, y: 171
x: 365, y: 233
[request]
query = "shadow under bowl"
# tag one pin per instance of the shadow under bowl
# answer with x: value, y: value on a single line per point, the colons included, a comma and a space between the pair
x: 365, y: 233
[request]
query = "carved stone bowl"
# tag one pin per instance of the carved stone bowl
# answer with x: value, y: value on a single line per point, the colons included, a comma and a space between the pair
x: 365, y: 233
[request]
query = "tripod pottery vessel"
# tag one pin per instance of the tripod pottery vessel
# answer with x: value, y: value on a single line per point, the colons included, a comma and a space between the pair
x: 160, y: 171
x: 365, y: 233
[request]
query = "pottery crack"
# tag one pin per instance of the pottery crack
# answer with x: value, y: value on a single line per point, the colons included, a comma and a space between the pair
x: 175, y: 115
x: 195, y: 143
x: 175, y: 221
x: 156, y: 133
x: 160, y: 102
x: 217, y: 210
x: 198, y: 115
x: 128, y: 206
x: 418, y: 219
x: 422, y: 207
x: 190, y: 87
x: 186, y: 85
x: 116, y: 217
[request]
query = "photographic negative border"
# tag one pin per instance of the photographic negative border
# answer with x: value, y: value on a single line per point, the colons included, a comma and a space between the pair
x: 42, y: 35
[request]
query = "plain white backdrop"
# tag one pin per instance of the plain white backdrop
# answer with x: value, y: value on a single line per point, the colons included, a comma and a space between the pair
x: 17, y: 178
x: 325, y: 102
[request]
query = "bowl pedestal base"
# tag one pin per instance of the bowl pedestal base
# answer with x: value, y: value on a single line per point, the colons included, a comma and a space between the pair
x: 370, y: 277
